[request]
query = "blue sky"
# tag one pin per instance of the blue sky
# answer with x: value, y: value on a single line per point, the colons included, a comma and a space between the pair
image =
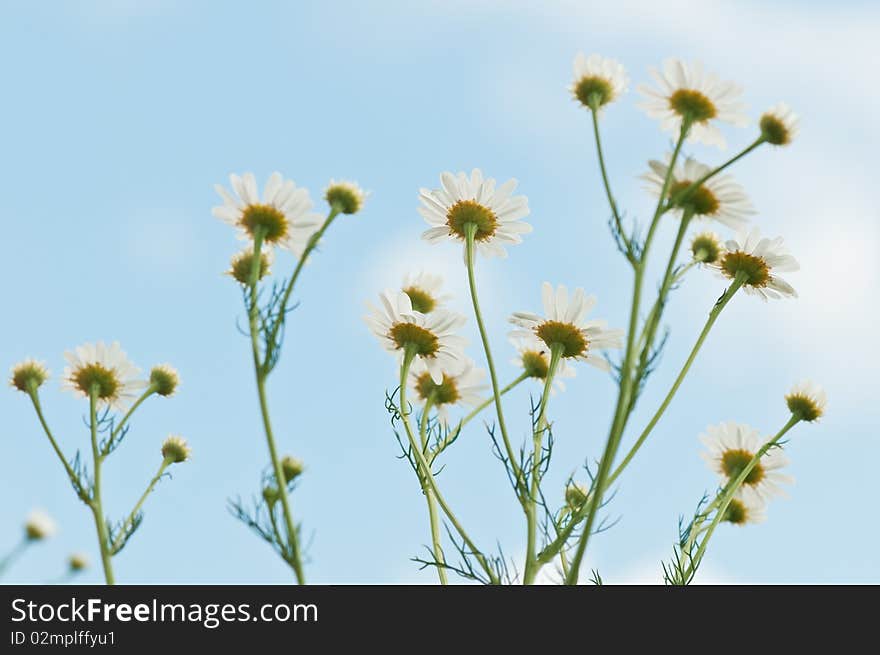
x: 120, y: 116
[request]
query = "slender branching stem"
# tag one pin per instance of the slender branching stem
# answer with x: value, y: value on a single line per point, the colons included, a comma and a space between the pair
x: 74, y: 478
x: 117, y: 430
x: 729, y: 492
x: 424, y: 470
x: 618, y: 223
x: 626, y: 379
x: 531, y: 564
x: 292, y: 552
x: 426, y: 488
x: 130, y: 519
x: 522, y: 491
x: 14, y: 554
x: 97, y: 503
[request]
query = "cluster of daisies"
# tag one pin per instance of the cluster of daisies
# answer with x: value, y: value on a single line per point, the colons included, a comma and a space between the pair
x: 687, y: 95
x: 105, y: 372
x: 730, y: 447
x: 282, y: 217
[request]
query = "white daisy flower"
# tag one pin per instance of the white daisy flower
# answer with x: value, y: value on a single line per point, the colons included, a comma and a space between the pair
x: 779, y: 125
x: 719, y: 198
x: 39, y: 525
x: 731, y: 446
x: 686, y: 90
x: 598, y: 80
x: 758, y: 260
x: 807, y: 401
x: 533, y: 357
x: 432, y: 336
x: 464, y: 387
x: 463, y: 200
x: 346, y: 196
x: 283, y: 214
x: 29, y: 374
x: 423, y: 290
x: 743, y: 510
x: 565, y: 325
x: 106, y: 369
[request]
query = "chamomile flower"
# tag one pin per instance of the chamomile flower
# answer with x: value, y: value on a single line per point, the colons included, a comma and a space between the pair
x: 779, y: 125
x: 242, y: 264
x: 706, y: 248
x: 78, y: 562
x: 463, y: 200
x: 576, y: 495
x: 743, y: 510
x: 175, y: 449
x: 39, y: 525
x: 27, y: 375
x: 807, y: 401
x: 104, y: 369
x: 597, y: 80
x: 565, y: 326
x: 719, y: 198
x: 731, y: 446
x: 430, y: 336
x: 165, y: 379
x: 758, y: 261
x: 283, y: 215
x: 533, y: 357
x: 463, y: 387
x: 687, y: 92
x: 345, y: 197
x: 423, y: 290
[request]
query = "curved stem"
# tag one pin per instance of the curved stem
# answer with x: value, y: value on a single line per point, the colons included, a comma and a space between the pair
x: 14, y: 554
x: 531, y: 564
x: 684, y: 194
x: 621, y: 411
x: 426, y: 488
x: 713, y: 316
x: 74, y: 479
x: 630, y: 255
x: 97, y: 504
x: 292, y: 556
x: 470, y: 231
x: 118, y: 429
x: 140, y: 503
x: 425, y: 470
x: 313, y: 241
x: 730, y: 491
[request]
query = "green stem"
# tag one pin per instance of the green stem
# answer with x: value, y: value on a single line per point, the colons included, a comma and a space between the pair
x: 531, y: 564
x: 453, y: 435
x: 97, y: 504
x: 293, y: 556
x: 137, y: 508
x: 730, y: 491
x: 713, y: 316
x: 14, y: 554
x: 310, y: 246
x: 74, y: 479
x: 470, y: 231
x: 626, y: 381
x: 118, y: 429
x: 426, y: 488
x: 425, y: 472
x: 630, y: 255
x: 684, y: 194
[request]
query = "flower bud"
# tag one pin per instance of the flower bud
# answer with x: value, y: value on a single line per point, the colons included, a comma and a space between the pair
x: 175, y: 449
x: 165, y: 379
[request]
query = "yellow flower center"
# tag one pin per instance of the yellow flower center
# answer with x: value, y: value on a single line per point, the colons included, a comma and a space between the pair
x: 444, y: 393
x: 535, y: 364
x: 692, y: 104
x: 464, y: 212
x: 733, y: 462
x: 94, y: 376
x: 755, y: 269
x: 423, y: 342
x: 594, y: 89
x: 701, y: 201
x: 272, y: 221
x: 421, y: 300
x: 736, y: 512
x: 774, y: 130
x: 572, y: 340
x: 804, y: 407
